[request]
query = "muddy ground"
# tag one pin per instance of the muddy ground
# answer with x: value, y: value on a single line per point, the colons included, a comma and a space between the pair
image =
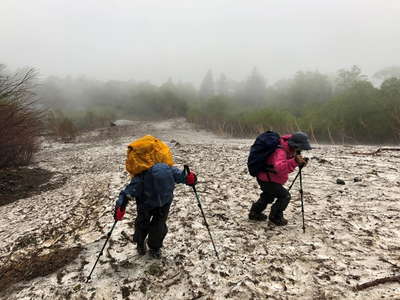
x: 56, y: 215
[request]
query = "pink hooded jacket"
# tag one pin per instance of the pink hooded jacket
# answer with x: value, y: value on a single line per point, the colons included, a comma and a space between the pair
x: 282, y: 161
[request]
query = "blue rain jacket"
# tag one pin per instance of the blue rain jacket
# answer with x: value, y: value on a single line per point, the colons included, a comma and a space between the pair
x: 152, y: 188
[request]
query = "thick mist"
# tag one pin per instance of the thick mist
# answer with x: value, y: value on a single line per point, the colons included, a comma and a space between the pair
x: 238, y: 68
x: 157, y: 40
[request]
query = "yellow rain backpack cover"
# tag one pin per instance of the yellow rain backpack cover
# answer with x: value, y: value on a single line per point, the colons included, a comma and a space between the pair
x: 145, y: 152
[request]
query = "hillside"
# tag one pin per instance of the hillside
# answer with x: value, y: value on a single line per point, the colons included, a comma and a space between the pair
x: 56, y: 214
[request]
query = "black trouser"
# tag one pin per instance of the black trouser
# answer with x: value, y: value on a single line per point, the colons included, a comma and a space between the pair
x: 270, y: 191
x: 151, y: 222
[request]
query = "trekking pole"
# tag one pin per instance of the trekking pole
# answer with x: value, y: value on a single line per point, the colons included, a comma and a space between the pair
x: 294, y: 180
x: 301, y: 198
x: 202, y: 212
x: 298, y: 152
x: 101, y: 252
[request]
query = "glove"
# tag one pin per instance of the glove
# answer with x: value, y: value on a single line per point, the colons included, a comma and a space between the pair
x: 301, y: 161
x: 191, y: 179
x: 119, y: 213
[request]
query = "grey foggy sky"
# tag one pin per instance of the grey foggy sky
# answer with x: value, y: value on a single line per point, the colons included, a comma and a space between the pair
x: 154, y: 40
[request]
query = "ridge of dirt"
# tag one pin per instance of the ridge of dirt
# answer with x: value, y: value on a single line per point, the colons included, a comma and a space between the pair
x: 20, y: 183
x: 34, y: 265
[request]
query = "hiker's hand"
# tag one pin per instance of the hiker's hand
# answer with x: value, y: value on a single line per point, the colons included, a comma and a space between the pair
x: 119, y: 213
x: 191, y: 179
x: 301, y: 161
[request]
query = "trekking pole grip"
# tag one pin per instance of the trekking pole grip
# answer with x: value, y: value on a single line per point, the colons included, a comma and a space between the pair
x: 187, y: 171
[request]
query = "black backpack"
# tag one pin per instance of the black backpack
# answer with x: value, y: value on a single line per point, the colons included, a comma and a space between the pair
x: 264, y: 145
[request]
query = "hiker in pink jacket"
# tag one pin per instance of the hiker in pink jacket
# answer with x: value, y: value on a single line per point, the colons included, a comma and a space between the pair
x: 280, y: 163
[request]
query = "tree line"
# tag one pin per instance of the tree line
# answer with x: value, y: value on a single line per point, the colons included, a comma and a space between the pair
x: 345, y: 107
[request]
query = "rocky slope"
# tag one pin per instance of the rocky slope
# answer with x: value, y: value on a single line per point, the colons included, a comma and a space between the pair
x: 55, y: 219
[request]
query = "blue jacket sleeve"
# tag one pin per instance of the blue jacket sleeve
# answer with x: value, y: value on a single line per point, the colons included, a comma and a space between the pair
x: 130, y: 191
x: 179, y: 176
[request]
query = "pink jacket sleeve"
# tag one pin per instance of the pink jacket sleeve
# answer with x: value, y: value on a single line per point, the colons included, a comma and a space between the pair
x: 283, y: 165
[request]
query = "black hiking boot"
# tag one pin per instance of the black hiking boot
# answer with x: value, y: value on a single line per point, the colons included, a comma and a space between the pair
x: 155, y: 253
x: 141, y: 249
x: 278, y: 221
x: 257, y: 216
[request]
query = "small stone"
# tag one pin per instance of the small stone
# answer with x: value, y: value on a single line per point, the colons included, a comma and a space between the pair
x: 357, y: 179
x: 77, y: 287
x: 340, y: 181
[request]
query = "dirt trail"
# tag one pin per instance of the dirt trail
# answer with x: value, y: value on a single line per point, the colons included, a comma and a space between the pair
x: 352, y: 230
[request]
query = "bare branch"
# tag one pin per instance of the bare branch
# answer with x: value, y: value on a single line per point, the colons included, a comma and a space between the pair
x: 372, y: 283
x: 20, y: 121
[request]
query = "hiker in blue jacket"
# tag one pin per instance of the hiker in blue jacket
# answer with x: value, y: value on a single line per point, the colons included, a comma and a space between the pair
x: 153, y: 191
